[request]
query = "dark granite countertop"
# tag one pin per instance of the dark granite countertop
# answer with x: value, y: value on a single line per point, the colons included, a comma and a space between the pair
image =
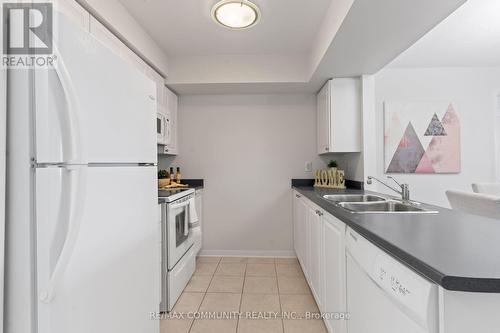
x: 458, y: 251
x: 197, y: 184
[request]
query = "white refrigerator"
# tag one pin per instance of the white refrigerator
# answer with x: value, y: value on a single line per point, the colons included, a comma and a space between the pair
x: 82, y: 250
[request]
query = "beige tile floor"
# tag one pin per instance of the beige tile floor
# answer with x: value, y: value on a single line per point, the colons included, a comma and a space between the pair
x: 234, y: 284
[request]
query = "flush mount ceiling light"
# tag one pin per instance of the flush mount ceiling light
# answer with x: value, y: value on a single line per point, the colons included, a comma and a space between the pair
x: 236, y: 14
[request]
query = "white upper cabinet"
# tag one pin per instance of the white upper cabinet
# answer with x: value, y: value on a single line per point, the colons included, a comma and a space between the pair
x: 339, y: 116
x: 161, y: 98
x: 323, y: 118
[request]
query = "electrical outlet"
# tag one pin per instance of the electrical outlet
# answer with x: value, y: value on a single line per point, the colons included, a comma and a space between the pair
x: 308, y: 167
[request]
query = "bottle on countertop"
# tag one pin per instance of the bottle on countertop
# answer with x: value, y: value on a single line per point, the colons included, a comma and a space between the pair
x: 178, y: 176
x: 172, y: 175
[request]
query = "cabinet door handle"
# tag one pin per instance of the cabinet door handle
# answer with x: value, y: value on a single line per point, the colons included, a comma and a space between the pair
x: 319, y: 213
x: 353, y: 237
x: 297, y: 195
x: 326, y: 149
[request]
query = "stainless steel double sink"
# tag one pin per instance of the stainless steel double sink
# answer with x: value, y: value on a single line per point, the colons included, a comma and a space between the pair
x: 369, y: 203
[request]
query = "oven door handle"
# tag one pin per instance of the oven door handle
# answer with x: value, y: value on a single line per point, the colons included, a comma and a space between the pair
x: 180, y: 205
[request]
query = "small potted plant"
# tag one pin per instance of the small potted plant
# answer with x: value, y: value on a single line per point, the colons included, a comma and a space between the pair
x: 333, y: 164
x: 163, y: 178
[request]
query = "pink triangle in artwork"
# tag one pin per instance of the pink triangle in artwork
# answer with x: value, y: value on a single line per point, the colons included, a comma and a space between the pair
x: 404, y: 143
x: 425, y: 165
x: 408, y: 154
x: 444, y: 151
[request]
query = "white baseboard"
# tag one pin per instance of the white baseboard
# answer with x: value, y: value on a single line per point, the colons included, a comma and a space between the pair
x: 239, y: 253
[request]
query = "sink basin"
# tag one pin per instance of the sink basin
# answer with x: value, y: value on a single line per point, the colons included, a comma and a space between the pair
x: 392, y: 207
x: 353, y: 198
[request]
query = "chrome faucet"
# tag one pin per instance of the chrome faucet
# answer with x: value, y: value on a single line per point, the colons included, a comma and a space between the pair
x: 405, y: 188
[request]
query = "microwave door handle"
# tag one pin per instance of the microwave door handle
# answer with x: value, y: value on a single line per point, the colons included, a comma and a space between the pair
x: 167, y: 130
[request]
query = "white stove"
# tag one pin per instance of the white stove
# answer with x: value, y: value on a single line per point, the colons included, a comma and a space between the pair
x: 170, y: 195
x: 178, y: 224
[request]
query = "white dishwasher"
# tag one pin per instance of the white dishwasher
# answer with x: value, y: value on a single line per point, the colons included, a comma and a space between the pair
x: 383, y: 295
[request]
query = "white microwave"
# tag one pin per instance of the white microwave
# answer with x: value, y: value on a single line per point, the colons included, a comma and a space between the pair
x: 163, y: 127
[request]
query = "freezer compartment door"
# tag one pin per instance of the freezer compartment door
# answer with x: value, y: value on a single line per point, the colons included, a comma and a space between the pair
x: 97, y: 249
x: 91, y: 106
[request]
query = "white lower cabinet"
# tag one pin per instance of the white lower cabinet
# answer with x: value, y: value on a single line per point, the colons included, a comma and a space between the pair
x: 319, y: 242
x: 299, y: 229
x: 333, y: 271
x: 315, y: 222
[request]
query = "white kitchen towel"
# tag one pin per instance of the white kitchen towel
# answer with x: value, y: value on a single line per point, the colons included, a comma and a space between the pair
x: 186, y: 224
x: 193, y: 217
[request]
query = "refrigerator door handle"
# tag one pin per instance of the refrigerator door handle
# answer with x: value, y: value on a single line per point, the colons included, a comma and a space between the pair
x: 76, y: 190
x: 71, y: 135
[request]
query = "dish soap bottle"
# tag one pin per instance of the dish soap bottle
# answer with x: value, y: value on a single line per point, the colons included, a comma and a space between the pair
x: 172, y: 175
x: 178, y: 176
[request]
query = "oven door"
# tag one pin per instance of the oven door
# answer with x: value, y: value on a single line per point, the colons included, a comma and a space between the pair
x: 180, y: 237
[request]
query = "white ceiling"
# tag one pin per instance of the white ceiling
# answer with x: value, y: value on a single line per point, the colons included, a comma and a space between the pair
x: 470, y: 37
x: 186, y: 28
x: 296, y: 46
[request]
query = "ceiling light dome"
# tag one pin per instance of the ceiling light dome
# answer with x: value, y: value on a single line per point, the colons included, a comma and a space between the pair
x: 236, y: 14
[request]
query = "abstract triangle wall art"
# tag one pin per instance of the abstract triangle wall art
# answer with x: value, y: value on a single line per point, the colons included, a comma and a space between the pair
x: 393, y: 133
x: 425, y: 165
x: 435, y: 127
x: 421, y: 137
x: 409, y: 153
x: 444, y: 151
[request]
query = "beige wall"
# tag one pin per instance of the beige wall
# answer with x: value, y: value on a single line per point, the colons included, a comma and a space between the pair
x: 247, y: 148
